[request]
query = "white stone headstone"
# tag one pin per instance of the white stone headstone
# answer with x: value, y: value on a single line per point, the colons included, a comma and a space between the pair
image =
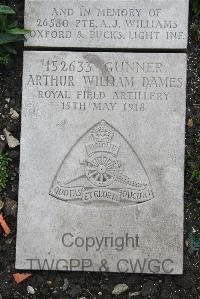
x: 102, y: 162
x: 148, y: 24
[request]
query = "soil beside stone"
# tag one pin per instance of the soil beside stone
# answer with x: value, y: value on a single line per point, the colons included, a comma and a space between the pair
x: 66, y: 285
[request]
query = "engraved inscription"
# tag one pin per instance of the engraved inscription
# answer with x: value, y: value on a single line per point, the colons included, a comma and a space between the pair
x: 88, y: 83
x: 118, y: 24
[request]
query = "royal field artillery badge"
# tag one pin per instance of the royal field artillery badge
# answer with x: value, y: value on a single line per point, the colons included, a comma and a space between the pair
x: 109, y: 171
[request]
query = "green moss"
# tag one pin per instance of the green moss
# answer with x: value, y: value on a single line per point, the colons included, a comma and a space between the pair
x: 197, y: 140
x: 195, y: 7
x: 4, y: 171
x: 193, y: 163
x: 193, y: 166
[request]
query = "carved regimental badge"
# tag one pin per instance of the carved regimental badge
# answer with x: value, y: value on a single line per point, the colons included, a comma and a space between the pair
x: 100, y: 168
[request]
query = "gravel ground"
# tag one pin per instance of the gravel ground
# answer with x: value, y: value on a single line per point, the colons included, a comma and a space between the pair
x: 68, y: 285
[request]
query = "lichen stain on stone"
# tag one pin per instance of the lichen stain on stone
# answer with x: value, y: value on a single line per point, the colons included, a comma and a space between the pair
x: 98, y: 62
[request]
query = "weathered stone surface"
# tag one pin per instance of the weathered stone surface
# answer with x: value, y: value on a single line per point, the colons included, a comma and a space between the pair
x: 14, y: 114
x: 102, y: 162
x: 11, y: 140
x: 120, y: 289
x: 30, y: 290
x: 108, y: 24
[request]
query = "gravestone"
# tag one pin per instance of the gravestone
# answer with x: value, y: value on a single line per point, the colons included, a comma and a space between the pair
x: 144, y: 24
x: 102, y: 162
